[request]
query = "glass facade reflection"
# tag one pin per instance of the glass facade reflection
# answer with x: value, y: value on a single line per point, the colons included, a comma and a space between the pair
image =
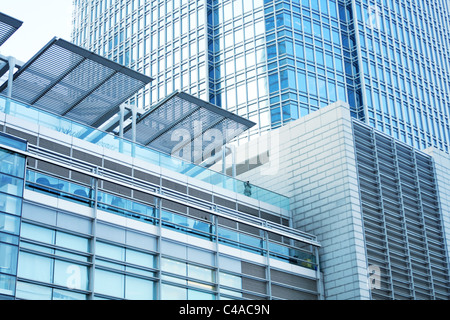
x: 275, y: 61
x: 12, y: 173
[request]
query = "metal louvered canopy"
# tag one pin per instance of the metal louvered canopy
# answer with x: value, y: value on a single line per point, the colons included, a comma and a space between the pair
x: 182, y: 120
x: 8, y: 26
x: 75, y: 83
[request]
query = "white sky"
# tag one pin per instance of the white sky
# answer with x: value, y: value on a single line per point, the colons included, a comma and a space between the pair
x: 42, y: 20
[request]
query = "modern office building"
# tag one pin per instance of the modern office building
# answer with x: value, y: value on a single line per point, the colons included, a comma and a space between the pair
x: 87, y: 214
x: 379, y: 207
x: 275, y: 61
x: 343, y: 204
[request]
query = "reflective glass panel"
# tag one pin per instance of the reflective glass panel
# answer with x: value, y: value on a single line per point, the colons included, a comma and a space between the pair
x: 35, y: 267
x: 139, y: 289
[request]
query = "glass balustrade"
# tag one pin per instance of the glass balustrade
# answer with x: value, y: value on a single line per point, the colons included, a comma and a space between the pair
x: 84, y: 195
x: 112, y: 142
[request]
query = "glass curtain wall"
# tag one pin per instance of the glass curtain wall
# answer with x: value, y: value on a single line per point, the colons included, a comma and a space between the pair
x: 12, y: 173
x: 404, y: 58
x: 162, y: 39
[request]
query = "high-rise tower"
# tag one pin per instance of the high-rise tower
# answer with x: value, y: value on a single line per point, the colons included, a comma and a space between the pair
x: 275, y: 61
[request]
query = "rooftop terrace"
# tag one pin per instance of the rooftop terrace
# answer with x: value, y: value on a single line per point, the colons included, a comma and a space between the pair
x: 110, y: 141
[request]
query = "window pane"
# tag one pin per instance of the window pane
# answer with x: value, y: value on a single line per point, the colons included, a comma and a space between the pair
x: 71, y: 275
x: 10, y: 204
x: 9, y: 223
x: 72, y: 242
x: 198, y: 295
x: 9, y: 141
x: 37, y: 233
x: 8, y: 258
x: 33, y: 292
x: 110, y: 251
x: 7, y: 284
x: 200, y: 273
x: 11, y: 185
x: 173, y: 266
x: 12, y: 163
x: 140, y: 258
x: 67, y: 295
x: 169, y: 292
x: 35, y: 267
x: 109, y: 283
x: 230, y: 280
x: 273, y: 83
x: 139, y: 289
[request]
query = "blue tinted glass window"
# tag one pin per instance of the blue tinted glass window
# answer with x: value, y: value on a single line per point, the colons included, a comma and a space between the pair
x: 309, y: 54
x: 297, y: 23
x: 12, y: 163
x: 291, y: 79
x: 320, y: 57
x: 275, y: 115
x: 33, y: 292
x: 332, y: 91
x: 10, y: 185
x: 35, y: 267
x: 284, y: 79
x: 70, y: 275
x: 326, y: 33
x: 307, y: 26
x: 10, y: 204
x: 287, y: 20
x: 301, y: 78
x: 140, y: 258
x: 299, y: 51
x: 169, y: 292
x: 8, y: 258
x: 110, y: 251
x: 139, y: 289
x: 270, y: 23
x: 67, y: 295
x: 312, y: 85
x: 324, y: 6
x: 12, y: 142
x: 7, y: 284
x: 336, y: 37
x: 72, y: 242
x: 9, y: 224
x: 109, y: 283
x: 338, y: 62
x: 322, y: 88
x: 36, y: 233
x: 199, y: 295
x: 281, y: 47
x: 317, y: 30
x: 273, y: 83
x: 333, y: 9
